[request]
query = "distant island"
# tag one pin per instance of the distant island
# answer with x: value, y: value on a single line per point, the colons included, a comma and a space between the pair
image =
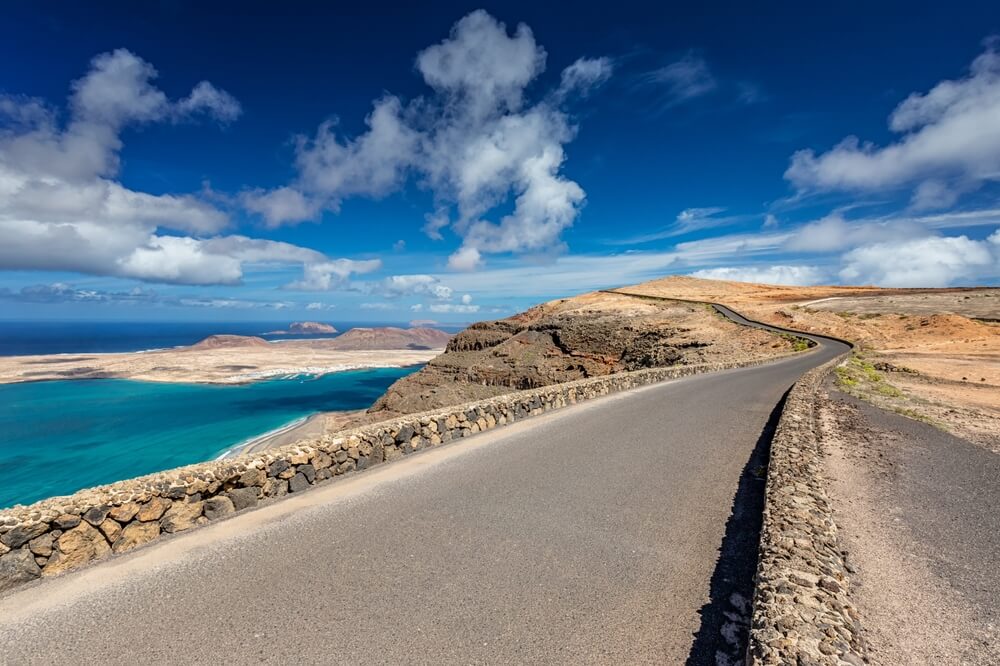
x: 306, y: 328
x: 238, y: 359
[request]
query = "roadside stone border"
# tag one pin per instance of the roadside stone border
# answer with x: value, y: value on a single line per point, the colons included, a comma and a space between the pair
x: 60, y: 534
x: 802, y: 612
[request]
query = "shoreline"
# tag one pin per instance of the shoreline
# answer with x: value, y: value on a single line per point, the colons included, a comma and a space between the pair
x: 286, y: 434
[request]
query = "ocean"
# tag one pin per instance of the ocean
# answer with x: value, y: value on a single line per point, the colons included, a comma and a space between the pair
x: 19, y: 338
x: 57, y: 437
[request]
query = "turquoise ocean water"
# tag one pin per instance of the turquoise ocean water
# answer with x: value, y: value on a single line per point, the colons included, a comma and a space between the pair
x: 57, y: 437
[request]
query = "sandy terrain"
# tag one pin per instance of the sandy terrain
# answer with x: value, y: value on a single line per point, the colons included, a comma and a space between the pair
x: 922, y: 559
x: 227, y: 364
x: 939, y: 347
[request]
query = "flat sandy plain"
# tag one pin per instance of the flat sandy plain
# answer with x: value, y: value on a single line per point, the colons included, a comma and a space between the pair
x: 939, y: 347
x: 236, y: 364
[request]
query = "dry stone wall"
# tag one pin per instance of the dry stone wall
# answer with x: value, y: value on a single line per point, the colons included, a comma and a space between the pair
x: 64, y: 533
x: 802, y: 611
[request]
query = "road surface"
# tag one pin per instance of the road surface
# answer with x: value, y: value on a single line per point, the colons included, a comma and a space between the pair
x: 589, y: 535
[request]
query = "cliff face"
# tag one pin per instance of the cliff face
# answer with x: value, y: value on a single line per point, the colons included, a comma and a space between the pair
x: 586, y: 336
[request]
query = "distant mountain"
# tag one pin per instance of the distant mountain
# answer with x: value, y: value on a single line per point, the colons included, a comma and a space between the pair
x: 388, y: 337
x: 306, y: 328
x: 229, y: 341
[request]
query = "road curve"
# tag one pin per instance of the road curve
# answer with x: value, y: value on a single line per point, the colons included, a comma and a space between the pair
x: 589, y: 535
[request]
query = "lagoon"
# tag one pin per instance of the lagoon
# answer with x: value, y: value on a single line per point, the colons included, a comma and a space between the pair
x: 57, y: 437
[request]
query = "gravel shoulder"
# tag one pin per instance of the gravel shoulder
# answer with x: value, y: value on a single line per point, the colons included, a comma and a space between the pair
x: 918, y: 513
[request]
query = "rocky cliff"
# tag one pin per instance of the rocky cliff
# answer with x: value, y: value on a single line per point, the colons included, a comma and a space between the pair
x: 586, y: 336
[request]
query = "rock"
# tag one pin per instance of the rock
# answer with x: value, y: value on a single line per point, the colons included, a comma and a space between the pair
x: 275, y: 488
x: 125, y: 512
x: 322, y: 460
x: 111, y: 529
x: 405, y: 434
x: 243, y: 498
x: 181, y: 516
x: 298, y: 483
x: 17, y: 567
x: 82, y: 544
x: 252, y: 477
x: 277, y: 467
x: 308, y: 471
x: 219, y: 506
x: 66, y: 521
x: 95, y: 515
x: 41, y: 545
x: 134, y: 535
x: 153, y: 509
x: 22, y: 534
x: 176, y: 492
x: 346, y: 467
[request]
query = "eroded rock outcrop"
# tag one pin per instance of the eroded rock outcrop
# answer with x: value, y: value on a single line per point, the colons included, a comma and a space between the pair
x: 586, y: 336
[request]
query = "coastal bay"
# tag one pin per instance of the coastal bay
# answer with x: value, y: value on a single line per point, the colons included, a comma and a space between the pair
x: 61, y: 436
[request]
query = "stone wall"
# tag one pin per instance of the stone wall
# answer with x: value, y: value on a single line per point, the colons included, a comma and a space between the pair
x: 63, y: 533
x: 802, y: 612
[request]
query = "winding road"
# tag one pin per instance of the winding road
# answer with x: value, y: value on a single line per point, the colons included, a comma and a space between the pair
x: 621, y: 530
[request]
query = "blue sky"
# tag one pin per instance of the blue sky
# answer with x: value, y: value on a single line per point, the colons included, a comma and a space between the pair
x: 174, y: 161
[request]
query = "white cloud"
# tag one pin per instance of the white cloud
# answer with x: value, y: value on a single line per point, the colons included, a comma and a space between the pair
x: 475, y: 142
x: 466, y: 299
x: 949, y: 143
x: 280, y: 205
x: 467, y: 258
x: 396, y: 286
x: 327, y: 275
x: 834, y: 233
x: 776, y: 274
x: 681, y: 81
x: 584, y: 75
x: 208, y: 99
x: 320, y: 306
x: 687, y: 221
x: 923, y: 262
x: 233, y: 304
x: 377, y: 306
x: 61, y: 208
x: 60, y: 292
x: 452, y: 308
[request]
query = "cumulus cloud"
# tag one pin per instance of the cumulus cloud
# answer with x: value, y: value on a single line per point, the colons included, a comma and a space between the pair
x: 280, y: 205
x: 320, y: 306
x: 327, y: 275
x: 934, y: 261
x: 62, y: 209
x: 777, y: 274
x: 396, y: 286
x: 834, y: 232
x: 949, y: 143
x: 475, y: 142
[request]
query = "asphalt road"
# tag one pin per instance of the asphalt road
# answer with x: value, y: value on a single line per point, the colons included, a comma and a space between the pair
x: 590, y: 535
